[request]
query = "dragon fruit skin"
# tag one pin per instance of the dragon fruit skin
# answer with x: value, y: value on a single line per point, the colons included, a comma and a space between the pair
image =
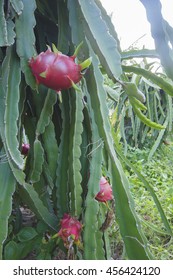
x: 56, y: 70
x: 70, y: 228
x: 105, y: 192
x: 25, y: 149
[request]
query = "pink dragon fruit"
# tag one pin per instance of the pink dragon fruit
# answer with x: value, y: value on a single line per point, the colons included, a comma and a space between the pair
x: 70, y: 230
x: 56, y: 70
x: 105, y: 192
x: 25, y: 149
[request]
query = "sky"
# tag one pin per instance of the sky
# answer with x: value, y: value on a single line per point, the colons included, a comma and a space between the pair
x: 130, y: 21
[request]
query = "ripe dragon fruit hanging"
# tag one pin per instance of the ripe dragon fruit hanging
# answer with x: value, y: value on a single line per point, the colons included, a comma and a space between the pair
x: 105, y: 192
x: 56, y: 70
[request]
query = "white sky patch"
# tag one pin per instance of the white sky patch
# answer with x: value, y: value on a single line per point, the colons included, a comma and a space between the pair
x: 130, y: 21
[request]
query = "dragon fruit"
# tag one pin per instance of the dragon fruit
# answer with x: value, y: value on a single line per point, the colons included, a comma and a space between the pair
x: 56, y: 70
x: 105, y: 192
x: 25, y: 149
x: 70, y: 230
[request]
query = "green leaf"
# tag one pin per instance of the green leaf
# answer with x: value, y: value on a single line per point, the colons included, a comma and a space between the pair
x: 47, y: 111
x: 38, y: 162
x: 77, y: 33
x: 138, y: 53
x: 97, y: 32
x: 48, y: 179
x: 17, y: 6
x: 32, y: 199
x: 64, y: 31
x: 145, y: 120
x: 7, y: 188
x: 25, y: 23
x: 26, y: 248
x: 30, y: 196
x: 103, y: 251
x: 170, y: 113
x: 62, y: 179
x: 41, y: 227
x: 137, y: 103
x: 108, y: 19
x: 93, y: 247
x: 159, y: 34
x: 103, y: 216
x: 3, y: 83
x: 7, y: 33
x: 158, y: 140
x: 50, y: 146
x: 169, y: 31
x: 76, y: 129
x: 11, y: 81
x: 112, y: 93
x: 26, y: 234
x: 162, y: 83
x: 122, y: 130
x: 11, y: 251
x: 131, y: 232
x: 132, y: 90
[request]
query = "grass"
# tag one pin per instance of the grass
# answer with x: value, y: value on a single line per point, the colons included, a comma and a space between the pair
x: 159, y: 173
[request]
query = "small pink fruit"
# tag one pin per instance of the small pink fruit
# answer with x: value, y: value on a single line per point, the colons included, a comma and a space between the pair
x: 70, y: 230
x: 25, y: 149
x: 105, y: 192
x: 56, y: 70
